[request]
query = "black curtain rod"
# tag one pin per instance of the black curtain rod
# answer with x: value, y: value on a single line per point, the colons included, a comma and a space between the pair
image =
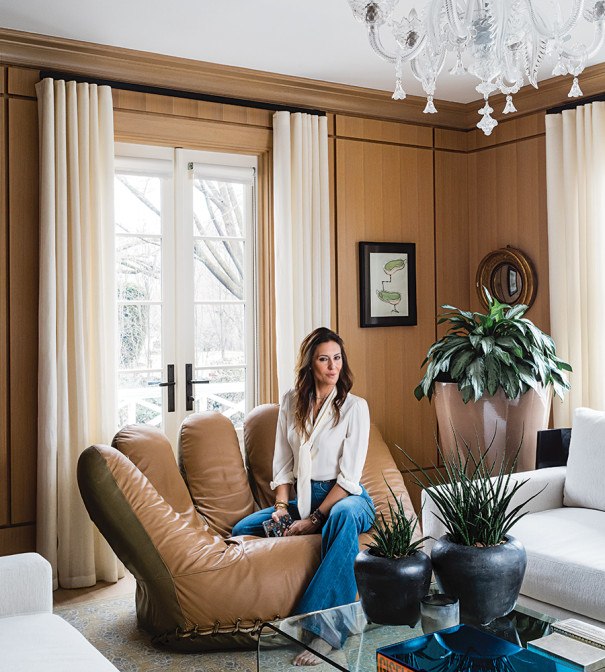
x: 177, y: 93
x: 598, y: 98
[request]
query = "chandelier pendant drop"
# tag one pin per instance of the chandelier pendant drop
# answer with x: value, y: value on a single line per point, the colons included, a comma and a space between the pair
x: 501, y: 42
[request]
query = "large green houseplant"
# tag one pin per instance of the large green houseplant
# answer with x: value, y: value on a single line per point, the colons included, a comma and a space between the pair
x: 499, y: 358
x: 482, y: 352
x: 393, y: 574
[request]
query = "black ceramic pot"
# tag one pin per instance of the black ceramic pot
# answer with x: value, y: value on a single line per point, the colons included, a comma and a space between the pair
x: 390, y: 590
x: 486, y: 580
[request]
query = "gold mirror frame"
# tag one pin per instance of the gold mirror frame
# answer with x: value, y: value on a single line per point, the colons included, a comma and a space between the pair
x: 520, y: 262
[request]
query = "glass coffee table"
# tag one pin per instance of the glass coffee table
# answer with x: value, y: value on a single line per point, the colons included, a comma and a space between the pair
x: 355, y: 641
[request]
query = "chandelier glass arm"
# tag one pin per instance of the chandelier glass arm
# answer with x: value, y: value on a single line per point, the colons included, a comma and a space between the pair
x: 589, y: 52
x: 376, y: 44
x: 458, y: 28
x: 405, y: 55
x: 414, y: 65
x: 541, y: 27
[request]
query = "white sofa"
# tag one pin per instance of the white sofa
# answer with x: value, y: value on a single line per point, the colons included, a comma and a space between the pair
x: 32, y: 638
x: 564, y: 529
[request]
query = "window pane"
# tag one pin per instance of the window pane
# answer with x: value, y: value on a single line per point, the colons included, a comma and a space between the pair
x: 139, y: 265
x: 218, y: 208
x: 219, y: 270
x: 138, y: 204
x: 137, y: 401
x: 224, y: 393
x: 219, y: 335
x: 140, y: 336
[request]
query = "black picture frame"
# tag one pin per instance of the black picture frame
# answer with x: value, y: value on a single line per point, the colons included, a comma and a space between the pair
x: 387, y: 299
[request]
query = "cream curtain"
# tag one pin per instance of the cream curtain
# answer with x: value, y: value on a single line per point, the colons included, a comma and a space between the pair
x: 302, y: 234
x: 77, y: 326
x: 575, y: 174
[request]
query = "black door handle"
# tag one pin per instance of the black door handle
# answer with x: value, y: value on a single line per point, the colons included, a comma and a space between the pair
x: 189, y: 383
x: 170, y: 384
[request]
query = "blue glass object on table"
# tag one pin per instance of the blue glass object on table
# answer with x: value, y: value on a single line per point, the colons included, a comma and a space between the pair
x: 467, y: 648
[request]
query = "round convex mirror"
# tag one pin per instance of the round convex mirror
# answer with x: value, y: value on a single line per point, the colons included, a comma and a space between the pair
x: 509, y: 276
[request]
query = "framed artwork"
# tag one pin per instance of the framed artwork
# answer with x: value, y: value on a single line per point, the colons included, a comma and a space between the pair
x: 387, y: 284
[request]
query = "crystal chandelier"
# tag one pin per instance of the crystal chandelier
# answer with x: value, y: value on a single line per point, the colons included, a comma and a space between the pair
x: 498, y: 41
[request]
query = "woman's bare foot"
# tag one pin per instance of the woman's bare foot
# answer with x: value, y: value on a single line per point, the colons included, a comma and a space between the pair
x: 308, y: 658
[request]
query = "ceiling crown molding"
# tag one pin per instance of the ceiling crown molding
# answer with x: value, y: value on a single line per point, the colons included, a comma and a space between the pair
x: 140, y: 67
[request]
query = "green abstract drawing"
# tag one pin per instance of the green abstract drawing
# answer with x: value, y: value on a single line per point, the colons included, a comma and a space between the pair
x: 390, y: 268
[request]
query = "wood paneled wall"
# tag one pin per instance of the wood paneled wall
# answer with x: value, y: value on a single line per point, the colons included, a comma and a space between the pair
x: 18, y: 310
x: 385, y: 194
x: 507, y: 201
x: 455, y: 194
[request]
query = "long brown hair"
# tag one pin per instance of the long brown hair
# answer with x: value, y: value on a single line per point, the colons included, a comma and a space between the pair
x: 304, y: 387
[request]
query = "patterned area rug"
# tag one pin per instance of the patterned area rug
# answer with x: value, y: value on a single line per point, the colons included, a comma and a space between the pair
x: 111, y: 626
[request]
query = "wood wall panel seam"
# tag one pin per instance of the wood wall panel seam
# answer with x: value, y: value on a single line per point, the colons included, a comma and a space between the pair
x: 384, y: 142
x: 504, y: 144
x: 167, y: 115
x: 451, y: 151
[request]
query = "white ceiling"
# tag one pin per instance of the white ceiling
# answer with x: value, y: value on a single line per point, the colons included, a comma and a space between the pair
x: 318, y: 39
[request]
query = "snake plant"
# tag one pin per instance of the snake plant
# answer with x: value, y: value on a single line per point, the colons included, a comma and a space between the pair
x: 392, y: 535
x: 483, y: 352
x: 476, y: 496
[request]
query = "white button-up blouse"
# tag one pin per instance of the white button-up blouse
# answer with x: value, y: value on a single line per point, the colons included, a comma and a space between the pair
x: 340, y: 451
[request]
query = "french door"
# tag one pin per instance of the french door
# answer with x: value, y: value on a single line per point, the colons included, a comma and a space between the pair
x: 185, y: 269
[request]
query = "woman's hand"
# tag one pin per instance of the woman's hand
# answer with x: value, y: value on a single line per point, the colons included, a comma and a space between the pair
x: 279, y: 513
x: 298, y: 527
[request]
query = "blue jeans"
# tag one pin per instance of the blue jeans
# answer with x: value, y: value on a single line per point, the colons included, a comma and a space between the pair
x: 334, y: 581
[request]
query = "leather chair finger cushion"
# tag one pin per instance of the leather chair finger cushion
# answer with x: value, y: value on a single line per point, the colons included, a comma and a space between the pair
x: 259, y: 439
x: 158, y: 609
x: 194, y: 590
x: 380, y: 467
x: 149, y: 449
x: 212, y: 465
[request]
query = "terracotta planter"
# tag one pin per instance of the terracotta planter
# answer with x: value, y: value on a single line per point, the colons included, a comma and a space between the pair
x: 507, y: 422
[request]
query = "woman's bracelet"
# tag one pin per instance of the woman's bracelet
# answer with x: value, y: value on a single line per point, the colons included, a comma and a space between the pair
x: 280, y: 505
x: 317, y: 518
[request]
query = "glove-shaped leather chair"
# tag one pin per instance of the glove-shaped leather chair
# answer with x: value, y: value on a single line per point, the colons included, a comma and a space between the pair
x: 198, y: 588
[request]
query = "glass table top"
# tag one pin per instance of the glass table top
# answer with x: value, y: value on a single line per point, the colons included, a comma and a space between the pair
x: 348, y: 642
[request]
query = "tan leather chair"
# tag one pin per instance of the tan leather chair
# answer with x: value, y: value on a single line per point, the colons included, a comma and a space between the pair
x: 197, y: 587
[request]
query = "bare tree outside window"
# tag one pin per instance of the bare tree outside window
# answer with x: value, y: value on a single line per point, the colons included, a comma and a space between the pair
x: 218, y: 252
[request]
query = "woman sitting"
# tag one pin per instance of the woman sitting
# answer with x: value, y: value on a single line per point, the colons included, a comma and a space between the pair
x: 321, y: 445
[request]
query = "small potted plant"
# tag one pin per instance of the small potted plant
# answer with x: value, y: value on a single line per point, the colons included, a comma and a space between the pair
x: 496, y: 365
x: 477, y: 560
x: 393, y: 574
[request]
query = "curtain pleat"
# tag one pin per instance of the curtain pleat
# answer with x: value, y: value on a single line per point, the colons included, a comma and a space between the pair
x: 575, y: 175
x: 302, y: 234
x: 77, y: 323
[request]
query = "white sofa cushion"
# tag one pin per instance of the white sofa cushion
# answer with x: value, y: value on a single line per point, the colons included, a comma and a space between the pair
x: 25, y: 585
x: 565, y: 559
x: 47, y: 643
x: 586, y: 463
